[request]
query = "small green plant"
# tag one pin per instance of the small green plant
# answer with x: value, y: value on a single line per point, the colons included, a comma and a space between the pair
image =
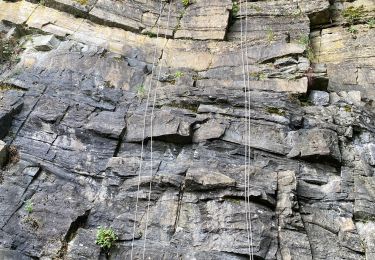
x: 178, y: 74
x: 105, y: 237
x: 42, y: 2
x: 260, y: 75
x: 348, y: 108
x: 29, y: 206
x: 353, y: 14
x: 82, y: 2
x: 352, y: 29
x: 305, y: 41
x: 256, y: 8
x: 186, y: 3
x: 141, y: 91
x: 270, y: 35
x: 151, y: 34
x: 276, y: 111
x: 371, y: 23
x: 297, y: 13
x: 310, y: 53
x: 235, y: 9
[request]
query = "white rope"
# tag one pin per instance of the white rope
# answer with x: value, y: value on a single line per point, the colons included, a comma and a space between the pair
x: 247, y: 135
x: 144, y: 132
x: 251, y: 247
x: 151, y: 136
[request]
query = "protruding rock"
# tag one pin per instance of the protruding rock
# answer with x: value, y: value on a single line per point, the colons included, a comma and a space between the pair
x: 165, y: 124
x: 200, y: 178
x: 315, y: 143
x: 45, y: 42
x: 319, y: 98
x: 209, y: 130
x: 108, y: 123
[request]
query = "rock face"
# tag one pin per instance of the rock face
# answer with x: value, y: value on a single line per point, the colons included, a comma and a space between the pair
x: 131, y: 115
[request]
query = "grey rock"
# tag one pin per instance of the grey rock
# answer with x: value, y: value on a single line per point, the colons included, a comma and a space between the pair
x: 203, y: 179
x: 315, y: 143
x: 366, y: 231
x: 72, y: 109
x: 204, y: 20
x: 209, y: 130
x: 294, y: 244
x: 319, y: 98
x: 6, y: 254
x: 107, y: 123
x: 364, y: 197
x: 45, y: 42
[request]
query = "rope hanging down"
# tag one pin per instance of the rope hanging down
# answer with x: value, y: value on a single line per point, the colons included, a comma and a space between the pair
x: 246, y: 79
x: 249, y: 136
x: 151, y: 135
x: 144, y: 130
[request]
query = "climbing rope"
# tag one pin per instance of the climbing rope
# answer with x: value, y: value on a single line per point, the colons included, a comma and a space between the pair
x: 249, y: 143
x: 245, y: 71
x: 144, y: 131
x: 151, y: 134
x: 249, y: 135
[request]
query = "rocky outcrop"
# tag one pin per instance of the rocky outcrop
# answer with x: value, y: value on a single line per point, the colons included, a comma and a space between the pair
x: 131, y: 115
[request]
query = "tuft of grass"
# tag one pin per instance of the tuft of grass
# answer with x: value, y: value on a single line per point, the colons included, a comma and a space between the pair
x: 178, y: 74
x: 348, y: 108
x: 141, y: 91
x: 270, y: 35
x: 297, y: 13
x: 186, y: 3
x: 276, y: 111
x: 151, y: 34
x: 29, y: 206
x: 371, y: 23
x: 305, y: 41
x: 235, y: 9
x: 352, y: 29
x: 82, y: 2
x: 5, y: 87
x: 105, y: 237
x: 310, y: 53
x: 258, y: 75
x: 353, y: 14
x: 256, y: 8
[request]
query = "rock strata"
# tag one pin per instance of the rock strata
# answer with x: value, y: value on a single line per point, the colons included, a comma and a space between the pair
x: 131, y: 115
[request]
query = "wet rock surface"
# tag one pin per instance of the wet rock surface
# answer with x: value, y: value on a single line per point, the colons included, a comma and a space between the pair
x: 83, y: 144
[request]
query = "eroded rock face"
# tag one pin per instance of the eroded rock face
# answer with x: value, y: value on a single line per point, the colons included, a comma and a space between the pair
x: 86, y: 145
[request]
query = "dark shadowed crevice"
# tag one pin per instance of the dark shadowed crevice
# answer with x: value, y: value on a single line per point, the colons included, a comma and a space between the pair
x: 80, y: 222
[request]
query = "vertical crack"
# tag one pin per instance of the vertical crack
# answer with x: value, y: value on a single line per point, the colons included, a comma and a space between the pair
x: 79, y: 222
x: 180, y: 196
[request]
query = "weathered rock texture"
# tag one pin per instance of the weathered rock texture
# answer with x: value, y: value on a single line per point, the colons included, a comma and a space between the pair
x: 74, y: 80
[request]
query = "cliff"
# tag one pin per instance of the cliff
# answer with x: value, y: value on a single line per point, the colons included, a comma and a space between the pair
x: 132, y: 115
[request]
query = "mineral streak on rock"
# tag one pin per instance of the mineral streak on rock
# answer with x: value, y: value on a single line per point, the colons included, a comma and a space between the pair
x: 75, y: 76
